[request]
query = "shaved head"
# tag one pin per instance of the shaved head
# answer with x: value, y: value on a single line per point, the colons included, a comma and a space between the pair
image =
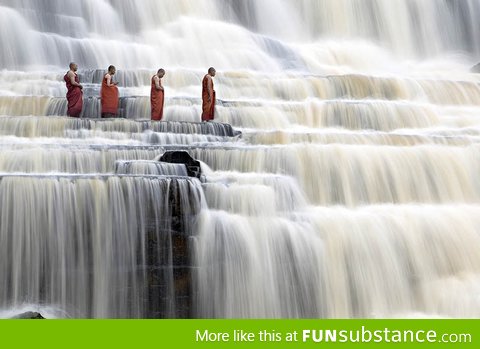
x: 212, y: 71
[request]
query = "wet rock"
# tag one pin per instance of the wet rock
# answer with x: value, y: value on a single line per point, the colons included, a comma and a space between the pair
x: 183, y: 157
x: 29, y: 315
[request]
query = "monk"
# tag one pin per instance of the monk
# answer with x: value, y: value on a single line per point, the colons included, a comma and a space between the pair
x: 157, y: 95
x: 109, y: 94
x: 208, y: 96
x: 74, y: 92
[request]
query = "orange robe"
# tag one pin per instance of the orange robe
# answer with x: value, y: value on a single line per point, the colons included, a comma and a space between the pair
x: 157, y: 98
x: 208, y: 96
x: 109, y: 97
x: 74, y: 97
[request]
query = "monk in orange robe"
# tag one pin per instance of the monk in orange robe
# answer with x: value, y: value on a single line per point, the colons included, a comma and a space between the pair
x: 208, y: 96
x: 74, y: 92
x: 109, y: 94
x: 157, y: 95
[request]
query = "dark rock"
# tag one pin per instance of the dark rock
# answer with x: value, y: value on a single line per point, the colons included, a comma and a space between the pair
x: 476, y: 68
x: 29, y: 315
x: 183, y: 157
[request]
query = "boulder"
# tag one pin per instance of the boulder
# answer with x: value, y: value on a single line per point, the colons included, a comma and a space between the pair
x: 29, y: 315
x: 182, y: 157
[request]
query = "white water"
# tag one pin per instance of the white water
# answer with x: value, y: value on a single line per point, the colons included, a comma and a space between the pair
x: 352, y: 193
x: 81, y: 244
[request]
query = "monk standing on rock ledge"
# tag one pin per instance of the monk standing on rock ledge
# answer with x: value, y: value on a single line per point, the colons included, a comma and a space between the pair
x: 208, y: 96
x: 157, y: 95
x: 74, y: 93
x: 109, y: 94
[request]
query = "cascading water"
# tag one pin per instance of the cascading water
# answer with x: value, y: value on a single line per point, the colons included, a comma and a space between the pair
x: 352, y: 192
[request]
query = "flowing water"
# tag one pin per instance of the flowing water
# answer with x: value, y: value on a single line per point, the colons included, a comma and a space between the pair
x: 352, y: 192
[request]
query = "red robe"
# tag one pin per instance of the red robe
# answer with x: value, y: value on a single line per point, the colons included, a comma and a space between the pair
x: 208, y: 96
x: 74, y: 97
x: 157, y: 98
x: 109, y: 97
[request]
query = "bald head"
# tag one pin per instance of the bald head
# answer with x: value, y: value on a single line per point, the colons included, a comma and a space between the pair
x: 73, y: 66
x: 161, y: 73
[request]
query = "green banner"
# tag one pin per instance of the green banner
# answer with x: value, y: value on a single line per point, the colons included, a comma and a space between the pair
x: 240, y: 333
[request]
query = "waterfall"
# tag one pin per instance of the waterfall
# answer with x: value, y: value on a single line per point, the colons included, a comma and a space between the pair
x: 84, y: 244
x: 339, y: 179
x: 138, y: 36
